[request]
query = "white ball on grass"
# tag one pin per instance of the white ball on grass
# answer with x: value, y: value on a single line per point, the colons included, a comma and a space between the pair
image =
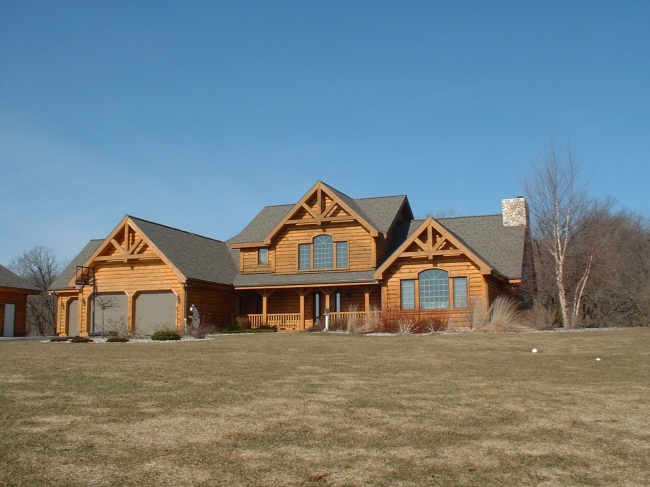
x: 534, y: 350
x: 598, y: 359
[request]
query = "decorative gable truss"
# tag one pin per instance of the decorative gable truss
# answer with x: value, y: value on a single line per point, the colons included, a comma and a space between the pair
x: 321, y: 205
x: 127, y: 243
x: 429, y: 241
x: 124, y: 245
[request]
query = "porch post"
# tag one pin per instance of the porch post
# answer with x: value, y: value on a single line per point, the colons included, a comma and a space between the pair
x: 366, y: 291
x: 264, y: 297
x: 302, y: 310
x: 327, y: 299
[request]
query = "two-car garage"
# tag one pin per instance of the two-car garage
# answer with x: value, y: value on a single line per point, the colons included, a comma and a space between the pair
x: 152, y: 311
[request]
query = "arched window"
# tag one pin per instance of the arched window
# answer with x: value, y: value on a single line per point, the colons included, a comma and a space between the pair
x: 434, y: 289
x: 323, y: 252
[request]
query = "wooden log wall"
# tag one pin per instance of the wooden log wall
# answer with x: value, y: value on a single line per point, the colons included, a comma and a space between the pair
x: 215, y: 302
x: 361, y: 248
x: 130, y: 278
x: 406, y: 268
x: 19, y: 298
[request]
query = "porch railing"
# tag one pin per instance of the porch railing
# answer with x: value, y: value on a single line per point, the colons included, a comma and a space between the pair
x: 353, y: 315
x: 280, y: 320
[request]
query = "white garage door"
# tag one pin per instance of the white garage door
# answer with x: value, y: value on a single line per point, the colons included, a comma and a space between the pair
x: 110, y: 313
x: 155, y: 311
x: 73, y: 318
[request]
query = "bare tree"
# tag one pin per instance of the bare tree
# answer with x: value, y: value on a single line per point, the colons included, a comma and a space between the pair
x: 40, y: 267
x: 559, y: 206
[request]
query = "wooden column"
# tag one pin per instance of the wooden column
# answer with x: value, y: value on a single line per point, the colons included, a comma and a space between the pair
x: 384, y: 298
x: 366, y: 292
x: 130, y: 299
x: 265, y: 294
x: 302, y: 293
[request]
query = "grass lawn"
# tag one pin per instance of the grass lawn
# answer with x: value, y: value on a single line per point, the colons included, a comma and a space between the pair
x: 317, y: 409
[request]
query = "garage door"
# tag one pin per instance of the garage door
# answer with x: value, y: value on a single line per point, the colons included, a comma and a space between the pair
x: 111, y: 312
x: 155, y: 311
x: 73, y: 317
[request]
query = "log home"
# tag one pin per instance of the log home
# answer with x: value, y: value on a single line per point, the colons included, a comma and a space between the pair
x: 291, y: 263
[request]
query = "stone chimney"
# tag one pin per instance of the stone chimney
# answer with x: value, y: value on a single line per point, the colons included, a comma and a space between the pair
x: 515, y: 212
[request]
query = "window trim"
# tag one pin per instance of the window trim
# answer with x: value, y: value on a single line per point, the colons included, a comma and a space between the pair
x: 323, y: 246
x: 308, y: 247
x: 452, y: 292
x: 401, y: 294
x: 263, y: 251
x: 434, y: 290
x: 336, y: 254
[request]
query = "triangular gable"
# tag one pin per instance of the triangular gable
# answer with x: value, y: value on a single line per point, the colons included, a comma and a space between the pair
x: 429, y: 240
x: 322, y: 204
x: 126, y: 243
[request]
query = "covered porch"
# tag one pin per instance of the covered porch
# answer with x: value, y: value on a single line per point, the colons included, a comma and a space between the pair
x: 302, y: 308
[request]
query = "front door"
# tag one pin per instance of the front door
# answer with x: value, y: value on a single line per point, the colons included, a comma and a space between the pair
x: 10, y: 319
x: 318, y: 302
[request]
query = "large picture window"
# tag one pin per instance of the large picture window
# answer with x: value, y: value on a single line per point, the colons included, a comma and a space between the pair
x: 323, y: 252
x: 407, y: 294
x: 434, y: 289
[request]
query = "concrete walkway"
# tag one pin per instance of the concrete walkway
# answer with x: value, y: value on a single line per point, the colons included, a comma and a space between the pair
x: 15, y: 339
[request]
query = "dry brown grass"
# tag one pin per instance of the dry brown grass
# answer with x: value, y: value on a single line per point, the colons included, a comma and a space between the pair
x: 329, y: 409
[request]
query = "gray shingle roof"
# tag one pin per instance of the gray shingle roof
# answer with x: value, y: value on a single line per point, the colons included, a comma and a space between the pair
x: 253, y: 280
x: 502, y: 248
x: 380, y: 212
x: 11, y: 280
x: 63, y: 281
x: 196, y: 257
x: 262, y: 224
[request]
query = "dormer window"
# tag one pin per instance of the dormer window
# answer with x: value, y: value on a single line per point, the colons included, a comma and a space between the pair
x: 263, y: 257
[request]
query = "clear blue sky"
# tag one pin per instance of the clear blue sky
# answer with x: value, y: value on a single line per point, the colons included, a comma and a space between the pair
x: 198, y: 114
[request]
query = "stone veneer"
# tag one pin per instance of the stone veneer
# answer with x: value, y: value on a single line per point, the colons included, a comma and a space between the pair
x: 515, y: 212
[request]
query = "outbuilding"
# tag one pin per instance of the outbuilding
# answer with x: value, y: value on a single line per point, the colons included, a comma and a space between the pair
x: 14, y: 291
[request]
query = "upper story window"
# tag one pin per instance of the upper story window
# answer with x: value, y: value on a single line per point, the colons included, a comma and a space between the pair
x: 434, y: 289
x: 323, y: 258
x: 341, y: 254
x: 263, y: 257
x: 304, y: 256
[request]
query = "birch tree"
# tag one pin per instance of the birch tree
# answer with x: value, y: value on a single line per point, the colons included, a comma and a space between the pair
x: 558, y: 206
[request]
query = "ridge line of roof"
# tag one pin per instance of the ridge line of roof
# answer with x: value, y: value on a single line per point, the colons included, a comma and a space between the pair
x: 466, y: 216
x: 381, y: 197
x: 173, y: 228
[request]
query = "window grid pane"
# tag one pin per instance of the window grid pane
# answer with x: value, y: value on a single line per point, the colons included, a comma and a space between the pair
x: 323, y: 252
x: 434, y: 289
x: 460, y: 292
x: 304, y: 252
x: 408, y: 294
x: 341, y: 254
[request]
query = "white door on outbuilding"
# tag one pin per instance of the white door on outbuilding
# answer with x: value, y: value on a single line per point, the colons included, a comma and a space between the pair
x: 10, y: 320
x: 155, y: 311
